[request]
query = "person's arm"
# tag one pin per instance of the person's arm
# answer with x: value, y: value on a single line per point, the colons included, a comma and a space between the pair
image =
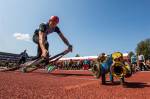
x: 41, y: 43
x: 64, y: 39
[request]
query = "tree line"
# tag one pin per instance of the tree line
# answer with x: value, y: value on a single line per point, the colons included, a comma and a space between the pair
x: 142, y: 47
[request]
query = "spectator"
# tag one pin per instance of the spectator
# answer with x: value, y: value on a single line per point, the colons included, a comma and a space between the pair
x: 101, y: 58
x: 141, y: 61
x: 86, y: 64
x: 148, y: 64
x: 23, y: 57
x: 134, y: 63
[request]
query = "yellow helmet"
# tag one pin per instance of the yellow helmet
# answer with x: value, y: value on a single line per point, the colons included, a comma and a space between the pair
x: 117, y: 55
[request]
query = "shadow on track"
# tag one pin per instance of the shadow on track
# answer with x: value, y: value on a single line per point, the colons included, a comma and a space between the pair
x: 135, y: 85
x: 128, y: 84
x: 115, y: 83
x: 59, y: 74
x: 66, y: 74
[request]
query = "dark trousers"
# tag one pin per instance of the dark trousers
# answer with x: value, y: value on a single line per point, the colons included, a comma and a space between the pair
x: 22, y: 60
x: 142, y: 66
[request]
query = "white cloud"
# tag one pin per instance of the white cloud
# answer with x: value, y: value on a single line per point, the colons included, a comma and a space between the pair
x: 21, y: 36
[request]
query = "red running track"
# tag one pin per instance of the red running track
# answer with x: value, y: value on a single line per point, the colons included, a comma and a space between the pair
x: 70, y: 85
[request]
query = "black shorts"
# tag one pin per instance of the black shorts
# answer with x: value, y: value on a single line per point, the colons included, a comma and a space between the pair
x: 35, y: 37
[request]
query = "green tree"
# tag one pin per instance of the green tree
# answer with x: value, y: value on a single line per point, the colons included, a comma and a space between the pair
x: 143, y: 47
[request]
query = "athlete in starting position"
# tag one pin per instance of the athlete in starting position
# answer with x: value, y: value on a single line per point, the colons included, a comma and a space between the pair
x: 40, y: 37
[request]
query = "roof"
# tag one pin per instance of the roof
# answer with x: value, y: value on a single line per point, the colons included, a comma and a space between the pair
x: 79, y: 58
x: 86, y: 57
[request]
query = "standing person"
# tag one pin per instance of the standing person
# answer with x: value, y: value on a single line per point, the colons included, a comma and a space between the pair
x: 134, y: 63
x: 101, y: 58
x: 148, y: 62
x: 40, y: 37
x: 141, y: 61
x: 85, y: 64
x: 23, y: 57
x: 97, y: 67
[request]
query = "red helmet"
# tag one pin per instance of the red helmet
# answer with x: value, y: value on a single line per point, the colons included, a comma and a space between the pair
x: 54, y: 18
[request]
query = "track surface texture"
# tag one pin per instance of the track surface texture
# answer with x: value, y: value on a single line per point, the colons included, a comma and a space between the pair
x: 61, y: 84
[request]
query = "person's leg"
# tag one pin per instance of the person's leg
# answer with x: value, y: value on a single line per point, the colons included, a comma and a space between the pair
x: 122, y: 80
x: 20, y: 60
x: 111, y: 77
x: 39, y: 53
x: 136, y: 68
x: 23, y: 60
x: 47, y: 48
x: 35, y: 39
x: 133, y: 67
x: 140, y: 66
x: 103, y: 73
x: 145, y: 67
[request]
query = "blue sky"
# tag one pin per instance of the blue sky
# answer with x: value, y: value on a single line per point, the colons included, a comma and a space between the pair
x: 91, y: 26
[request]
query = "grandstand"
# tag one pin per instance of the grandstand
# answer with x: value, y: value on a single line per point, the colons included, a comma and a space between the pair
x: 8, y: 56
x: 7, y: 59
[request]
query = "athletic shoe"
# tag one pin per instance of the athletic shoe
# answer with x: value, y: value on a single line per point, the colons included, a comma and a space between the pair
x: 51, y: 68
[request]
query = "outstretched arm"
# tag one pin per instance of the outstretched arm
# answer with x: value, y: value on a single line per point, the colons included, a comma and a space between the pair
x: 64, y: 39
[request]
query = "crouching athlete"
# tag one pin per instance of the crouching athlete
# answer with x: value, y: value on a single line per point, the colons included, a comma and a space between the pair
x: 40, y: 37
